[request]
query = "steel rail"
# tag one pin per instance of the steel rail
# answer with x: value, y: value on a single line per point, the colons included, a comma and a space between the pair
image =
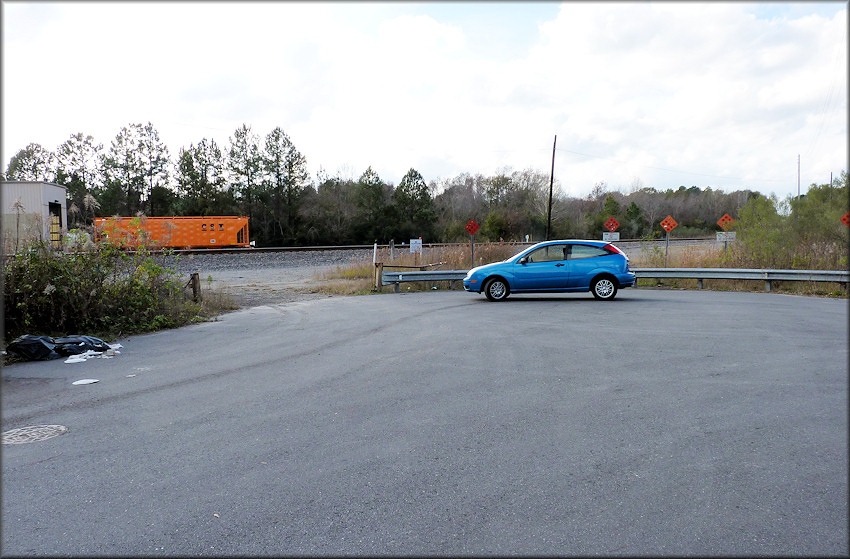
x: 259, y: 250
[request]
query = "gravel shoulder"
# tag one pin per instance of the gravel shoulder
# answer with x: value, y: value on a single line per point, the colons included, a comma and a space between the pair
x: 265, y: 278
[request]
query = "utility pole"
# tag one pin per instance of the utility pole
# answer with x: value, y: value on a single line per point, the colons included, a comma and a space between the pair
x: 798, y: 175
x: 551, y: 181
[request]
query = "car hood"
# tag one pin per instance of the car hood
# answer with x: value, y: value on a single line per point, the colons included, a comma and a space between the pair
x: 486, y: 267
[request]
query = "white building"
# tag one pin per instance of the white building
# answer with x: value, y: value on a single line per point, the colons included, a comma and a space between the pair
x: 33, y: 210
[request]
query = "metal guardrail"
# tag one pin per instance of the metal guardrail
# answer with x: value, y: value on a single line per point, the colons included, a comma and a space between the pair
x: 767, y: 275
x: 393, y: 277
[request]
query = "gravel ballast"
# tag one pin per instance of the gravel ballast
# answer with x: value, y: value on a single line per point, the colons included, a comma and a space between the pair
x: 265, y: 277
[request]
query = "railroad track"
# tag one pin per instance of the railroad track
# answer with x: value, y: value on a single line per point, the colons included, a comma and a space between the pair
x: 624, y: 244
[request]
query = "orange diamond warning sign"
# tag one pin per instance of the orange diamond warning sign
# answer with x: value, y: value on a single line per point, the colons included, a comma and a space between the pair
x: 846, y: 219
x: 725, y: 222
x: 668, y: 223
x: 611, y: 224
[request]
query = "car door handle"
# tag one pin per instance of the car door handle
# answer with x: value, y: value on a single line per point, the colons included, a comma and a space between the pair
x: 558, y: 265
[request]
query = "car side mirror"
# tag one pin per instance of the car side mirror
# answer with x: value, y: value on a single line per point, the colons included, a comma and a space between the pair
x: 523, y: 260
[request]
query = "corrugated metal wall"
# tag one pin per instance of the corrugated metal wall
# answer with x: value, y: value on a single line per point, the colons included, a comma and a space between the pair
x: 36, y: 221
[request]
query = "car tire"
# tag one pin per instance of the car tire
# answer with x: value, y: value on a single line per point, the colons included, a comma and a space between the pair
x: 604, y: 288
x: 496, y: 289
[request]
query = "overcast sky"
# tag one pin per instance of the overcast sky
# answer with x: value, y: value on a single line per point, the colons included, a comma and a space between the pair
x: 639, y: 94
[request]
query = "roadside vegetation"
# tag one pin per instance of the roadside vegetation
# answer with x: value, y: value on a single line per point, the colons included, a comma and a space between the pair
x: 102, y: 291
x: 804, y: 233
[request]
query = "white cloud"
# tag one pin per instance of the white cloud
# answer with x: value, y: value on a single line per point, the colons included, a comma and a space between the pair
x: 714, y: 94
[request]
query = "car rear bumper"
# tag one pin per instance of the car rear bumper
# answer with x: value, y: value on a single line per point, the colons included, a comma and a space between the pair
x: 627, y: 280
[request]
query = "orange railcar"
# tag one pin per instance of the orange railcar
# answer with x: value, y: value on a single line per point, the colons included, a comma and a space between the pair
x: 174, y: 232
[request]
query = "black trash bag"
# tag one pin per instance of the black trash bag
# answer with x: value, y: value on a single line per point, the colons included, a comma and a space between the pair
x: 74, y: 345
x: 33, y: 348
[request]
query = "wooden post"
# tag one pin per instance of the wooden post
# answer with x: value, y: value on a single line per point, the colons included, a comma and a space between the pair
x: 195, y: 282
x: 379, y: 272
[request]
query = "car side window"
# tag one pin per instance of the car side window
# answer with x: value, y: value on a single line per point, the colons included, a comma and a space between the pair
x: 550, y: 253
x: 586, y: 251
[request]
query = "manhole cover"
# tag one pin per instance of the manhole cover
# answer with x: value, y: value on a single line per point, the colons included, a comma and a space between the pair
x: 33, y: 434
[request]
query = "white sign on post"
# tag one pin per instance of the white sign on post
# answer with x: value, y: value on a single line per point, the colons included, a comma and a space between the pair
x: 610, y: 236
x: 726, y: 235
x: 416, y: 246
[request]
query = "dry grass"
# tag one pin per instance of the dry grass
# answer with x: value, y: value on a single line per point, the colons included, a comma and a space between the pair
x: 453, y: 258
x: 214, y: 301
x: 679, y: 257
x: 357, y: 277
x: 714, y: 257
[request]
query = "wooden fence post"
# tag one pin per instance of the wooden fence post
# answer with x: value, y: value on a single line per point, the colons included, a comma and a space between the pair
x: 195, y: 282
x: 379, y: 271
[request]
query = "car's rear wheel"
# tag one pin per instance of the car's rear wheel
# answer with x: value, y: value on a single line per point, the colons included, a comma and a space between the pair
x: 604, y: 288
x: 496, y: 289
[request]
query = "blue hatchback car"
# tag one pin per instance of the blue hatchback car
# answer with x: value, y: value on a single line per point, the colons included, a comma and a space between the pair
x: 555, y: 267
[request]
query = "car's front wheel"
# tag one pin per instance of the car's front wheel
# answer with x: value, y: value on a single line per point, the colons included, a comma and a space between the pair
x: 496, y: 289
x: 604, y: 288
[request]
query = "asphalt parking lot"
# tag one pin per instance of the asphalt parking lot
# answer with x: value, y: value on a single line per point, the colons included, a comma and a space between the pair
x: 661, y: 423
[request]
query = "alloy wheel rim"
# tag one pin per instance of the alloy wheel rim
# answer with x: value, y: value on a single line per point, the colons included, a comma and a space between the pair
x: 604, y: 288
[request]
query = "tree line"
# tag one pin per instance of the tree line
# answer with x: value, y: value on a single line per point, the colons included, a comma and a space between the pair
x: 266, y: 179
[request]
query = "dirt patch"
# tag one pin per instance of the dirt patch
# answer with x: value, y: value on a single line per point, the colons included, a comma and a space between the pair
x: 267, y: 286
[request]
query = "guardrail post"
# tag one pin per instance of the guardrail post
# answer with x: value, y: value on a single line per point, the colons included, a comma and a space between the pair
x: 766, y: 282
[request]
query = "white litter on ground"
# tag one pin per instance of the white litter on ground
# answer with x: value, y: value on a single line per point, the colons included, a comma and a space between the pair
x: 91, y: 354
x: 86, y: 381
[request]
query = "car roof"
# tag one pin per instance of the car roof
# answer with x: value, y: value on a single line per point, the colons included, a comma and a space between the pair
x: 572, y: 242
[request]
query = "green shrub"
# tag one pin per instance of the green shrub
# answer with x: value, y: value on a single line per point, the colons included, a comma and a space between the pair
x: 104, y: 292
x: 806, y: 234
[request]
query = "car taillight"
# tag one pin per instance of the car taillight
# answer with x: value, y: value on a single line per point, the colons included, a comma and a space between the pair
x: 612, y: 248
